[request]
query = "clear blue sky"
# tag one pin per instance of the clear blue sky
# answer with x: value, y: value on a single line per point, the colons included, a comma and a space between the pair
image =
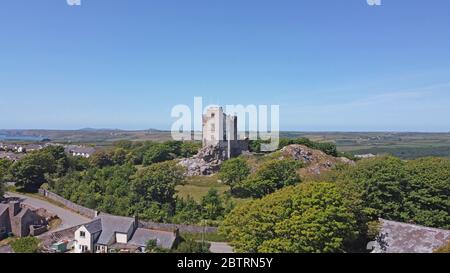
x: 329, y: 64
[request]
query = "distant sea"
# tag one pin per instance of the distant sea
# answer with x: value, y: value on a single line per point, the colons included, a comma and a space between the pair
x: 20, y: 138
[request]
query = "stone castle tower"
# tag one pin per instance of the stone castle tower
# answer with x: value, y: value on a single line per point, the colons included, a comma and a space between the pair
x: 221, y: 130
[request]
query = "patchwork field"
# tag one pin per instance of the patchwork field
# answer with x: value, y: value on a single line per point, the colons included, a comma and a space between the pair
x: 402, y: 144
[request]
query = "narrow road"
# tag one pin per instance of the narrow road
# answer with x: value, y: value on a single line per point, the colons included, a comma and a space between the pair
x: 220, y: 248
x: 68, y: 217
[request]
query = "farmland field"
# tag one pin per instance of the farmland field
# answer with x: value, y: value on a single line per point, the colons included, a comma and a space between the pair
x: 402, y: 144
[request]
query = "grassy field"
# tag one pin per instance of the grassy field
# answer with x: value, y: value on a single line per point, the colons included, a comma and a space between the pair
x: 98, y: 137
x: 198, y: 186
x: 404, y: 145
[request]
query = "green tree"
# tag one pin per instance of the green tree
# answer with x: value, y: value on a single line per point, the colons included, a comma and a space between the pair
x: 157, y: 153
x: 101, y: 159
x: 77, y: 163
x: 192, y: 246
x: 26, y: 245
x: 158, y: 181
x: 271, y: 176
x: 326, y: 147
x: 29, y: 172
x: 60, y: 159
x: 106, y: 189
x: 427, y: 199
x: 119, y: 156
x: 189, y: 148
x: 4, y: 169
x: 187, y: 211
x: 310, y: 218
x: 234, y: 171
x: 415, y: 191
x: 383, y: 184
x: 4, y: 174
x: 154, y: 211
x: 212, y: 205
x: 255, y: 145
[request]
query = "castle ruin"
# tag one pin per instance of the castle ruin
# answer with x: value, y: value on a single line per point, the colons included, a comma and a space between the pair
x: 220, y: 142
x: 221, y: 130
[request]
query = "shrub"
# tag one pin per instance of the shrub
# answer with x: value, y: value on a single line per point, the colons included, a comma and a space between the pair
x: 26, y: 245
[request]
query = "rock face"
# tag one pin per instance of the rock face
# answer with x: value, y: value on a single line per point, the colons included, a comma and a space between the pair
x: 316, y: 161
x: 206, y: 162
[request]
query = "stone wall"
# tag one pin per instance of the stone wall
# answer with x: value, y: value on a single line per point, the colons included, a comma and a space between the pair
x: 37, y: 230
x: 237, y: 147
x: 90, y: 213
x: 5, y: 224
x: 180, y: 228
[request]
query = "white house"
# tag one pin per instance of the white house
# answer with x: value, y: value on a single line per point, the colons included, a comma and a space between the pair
x: 80, y: 151
x: 109, y: 232
x: 87, y: 235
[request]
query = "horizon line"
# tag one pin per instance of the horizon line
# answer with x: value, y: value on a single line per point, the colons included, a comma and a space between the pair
x: 168, y: 131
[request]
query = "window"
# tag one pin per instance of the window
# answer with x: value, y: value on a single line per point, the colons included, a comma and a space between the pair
x: 82, y: 234
x: 213, y: 115
x: 213, y: 127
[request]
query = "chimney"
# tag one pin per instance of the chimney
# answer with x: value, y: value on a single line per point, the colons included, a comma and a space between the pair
x: 14, y: 208
x: 136, y: 221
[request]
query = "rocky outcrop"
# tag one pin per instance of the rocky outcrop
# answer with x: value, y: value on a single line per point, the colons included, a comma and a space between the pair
x: 210, y: 158
x: 316, y: 161
x: 206, y: 162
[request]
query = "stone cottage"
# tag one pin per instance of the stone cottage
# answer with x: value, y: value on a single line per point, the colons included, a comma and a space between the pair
x: 20, y: 220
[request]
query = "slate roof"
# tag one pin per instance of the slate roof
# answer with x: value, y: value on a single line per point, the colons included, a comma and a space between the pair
x: 3, y: 208
x: 111, y: 225
x: 163, y: 239
x: 94, y: 226
x: 396, y: 237
x: 23, y: 212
